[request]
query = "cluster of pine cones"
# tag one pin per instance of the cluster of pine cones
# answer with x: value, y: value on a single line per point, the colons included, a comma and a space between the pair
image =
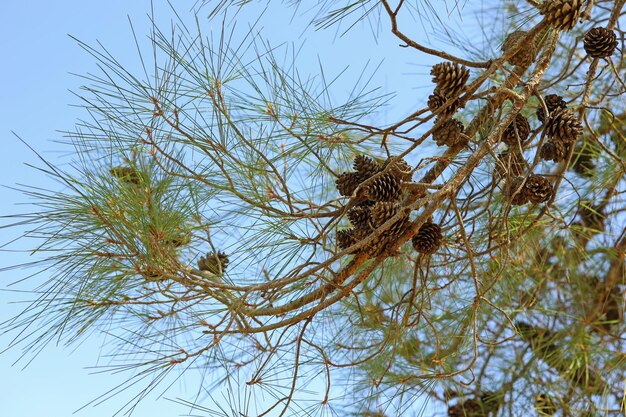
x: 381, y: 202
x: 450, y: 79
x: 382, y: 195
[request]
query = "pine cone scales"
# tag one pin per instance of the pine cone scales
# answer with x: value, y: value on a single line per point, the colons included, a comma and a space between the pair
x: 563, y: 126
x: 428, y: 238
x: 436, y: 102
x: 213, y: 263
x: 450, y: 78
x: 386, y: 187
x: 553, y: 102
x: 348, y: 182
x: 554, y: 151
x: 600, y: 42
x: 538, y: 189
x: 383, y: 211
x: 517, y: 132
x: 525, y: 55
x: 365, y: 166
x: 562, y: 14
x: 450, y: 133
x: 359, y: 216
x: 345, y: 238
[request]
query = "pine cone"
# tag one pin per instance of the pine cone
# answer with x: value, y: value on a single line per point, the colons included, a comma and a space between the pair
x: 428, y: 239
x: 538, y: 189
x: 450, y: 78
x: 553, y: 102
x: 436, y: 102
x: 562, y: 14
x: 360, y: 216
x: 467, y: 408
x: 525, y: 55
x: 545, y: 405
x: 510, y: 164
x: 348, y: 182
x: 383, y: 211
x: 365, y: 166
x: 450, y: 133
x: 517, y: 132
x: 554, y: 151
x: 600, y: 42
x: 213, y: 263
x: 384, y: 188
x: 346, y: 238
x: 401, y: 169
x: 563, y: 126
x: 583, y: 163
x: 516, y: 192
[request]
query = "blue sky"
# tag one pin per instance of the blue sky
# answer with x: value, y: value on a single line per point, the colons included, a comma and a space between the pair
x: 36, y: 84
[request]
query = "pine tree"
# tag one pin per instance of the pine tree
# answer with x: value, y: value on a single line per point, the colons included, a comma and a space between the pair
x: 311, y: 260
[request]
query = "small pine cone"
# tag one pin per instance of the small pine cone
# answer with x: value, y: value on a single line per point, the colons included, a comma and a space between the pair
x: 553, y: 102
x: 346, y: 238
x: 517, y: 132
x: 600, y: 42
x: 525, y: 55
x: 510, y: 164
x: 545, y: 405
x: 428, y: 239
x: 562, y: 14
x: 450, y: 133
x: 563, y: 126
x: 213, y: 263
x: 360, y: 216
x: 384, y: 188
x: 348, y: 182
x: 365, y: 166
x: 516, y: 192
x: 450, y: 78
x: 436, y: 102
x: 583, y: 163
x: 401, y: 169
x: 538, y: 189
x: 554, y: 151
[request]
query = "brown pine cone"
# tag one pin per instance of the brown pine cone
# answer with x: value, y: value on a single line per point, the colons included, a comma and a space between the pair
x: 600, y: 42
x: 554, y: 151
x: 214, y: 263
x: 348, y: 182
x: 365, y: 166
x: 436, y: 102
x: 450, y: 78
x: 553, y: 102
x: 360, y: 216
x: 383, y: 211
x: 386, y: 187
x: 517, y: 132
x: 525, y: 55
x: 562, y: 14
x: 563, y: 126
x: 346, y: 238
x: 538, y: 189
x: 450, y: 133
x: 516, y: 192
x: 428, y: 239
